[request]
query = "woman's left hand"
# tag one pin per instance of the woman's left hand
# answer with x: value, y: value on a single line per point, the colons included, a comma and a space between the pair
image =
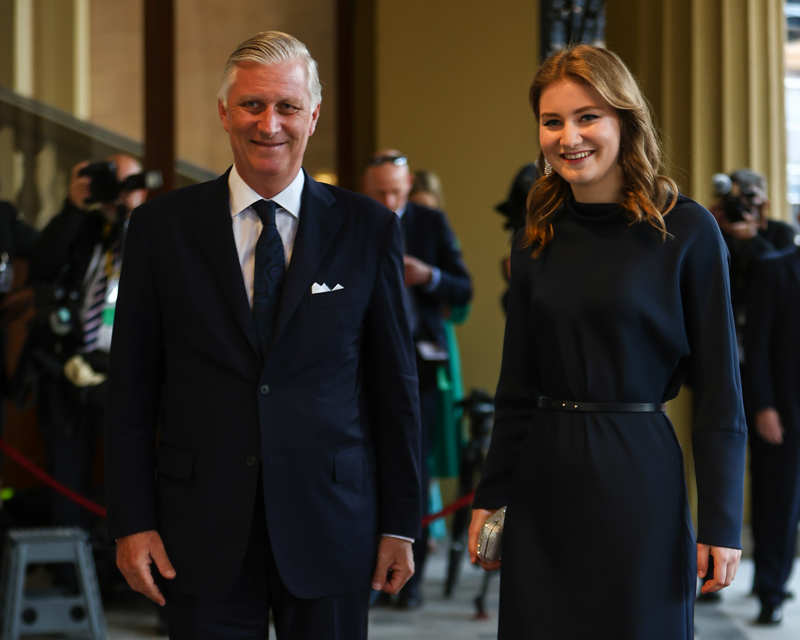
x: 726, y: 562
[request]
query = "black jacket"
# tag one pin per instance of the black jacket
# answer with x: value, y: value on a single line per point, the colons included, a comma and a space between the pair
x: 429, y: 238
x: 330, y: 416
x: 772, y: 337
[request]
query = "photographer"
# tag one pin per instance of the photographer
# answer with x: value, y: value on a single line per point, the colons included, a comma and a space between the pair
x: 752, y: 237
x: 75, y: 269
x: 741, y: 212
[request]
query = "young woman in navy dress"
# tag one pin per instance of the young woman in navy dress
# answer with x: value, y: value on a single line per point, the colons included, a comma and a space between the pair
x: 619, y: 295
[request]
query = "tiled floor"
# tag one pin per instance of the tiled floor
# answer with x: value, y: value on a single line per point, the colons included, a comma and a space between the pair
x: 445, y: 619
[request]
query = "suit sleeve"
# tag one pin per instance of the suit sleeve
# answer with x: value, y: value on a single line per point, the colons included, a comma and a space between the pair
x: 719, y: 429
x: 390, y: 379
x: 134, y: 386
x: 515, y: 391
x: 455, y: 285
x: 762, y: 300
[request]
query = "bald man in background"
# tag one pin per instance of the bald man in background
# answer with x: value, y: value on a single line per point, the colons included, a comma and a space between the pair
x: 436, y: 279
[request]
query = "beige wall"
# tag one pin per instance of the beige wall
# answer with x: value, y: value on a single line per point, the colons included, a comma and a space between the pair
x: 116, y: 66
x: 451, y: 91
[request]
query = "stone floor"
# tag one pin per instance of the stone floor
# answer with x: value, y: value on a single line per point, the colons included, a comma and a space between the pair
x: 454, y: 618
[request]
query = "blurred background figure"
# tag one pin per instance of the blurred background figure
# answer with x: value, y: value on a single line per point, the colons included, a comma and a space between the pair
x: 513, y: 209
x: 437, y: 282
x: 426, y: 189
x: 16, y: 241
x: 742, y: 211
x: 75, y: 270
x: 772, y: 390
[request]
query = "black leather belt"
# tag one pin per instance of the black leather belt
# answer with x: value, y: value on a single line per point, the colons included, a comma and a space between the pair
x: 549, y: 404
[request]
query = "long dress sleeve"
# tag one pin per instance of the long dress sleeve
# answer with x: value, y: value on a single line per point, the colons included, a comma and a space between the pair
x: 719, y: 428
x: 515, y: 390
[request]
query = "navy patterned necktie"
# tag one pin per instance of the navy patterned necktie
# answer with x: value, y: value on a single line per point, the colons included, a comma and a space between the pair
x: 268, y: 273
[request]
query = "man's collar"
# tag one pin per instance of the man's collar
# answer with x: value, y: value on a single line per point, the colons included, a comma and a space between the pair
x: 242, y: 194
x: 401, y: 211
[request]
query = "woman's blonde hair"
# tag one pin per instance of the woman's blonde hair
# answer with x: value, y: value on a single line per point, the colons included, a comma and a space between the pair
x: 647, y: 195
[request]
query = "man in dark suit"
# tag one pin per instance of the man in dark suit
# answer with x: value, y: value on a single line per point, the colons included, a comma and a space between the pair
x: 436, y: 280
x: 772, y: 378
x: 260, y: 321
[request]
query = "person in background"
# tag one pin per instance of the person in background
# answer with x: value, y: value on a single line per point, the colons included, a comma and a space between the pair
x: 436, y: 279
x: 772, y: 386
x: 17, y: 239
x: 75, y: 269
x: 619, y: 293
x: 426, y: 189
x: 742, y: 211
x: 513, y: 209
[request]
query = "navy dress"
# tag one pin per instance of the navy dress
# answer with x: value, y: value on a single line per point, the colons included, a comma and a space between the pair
x: 598, y: 539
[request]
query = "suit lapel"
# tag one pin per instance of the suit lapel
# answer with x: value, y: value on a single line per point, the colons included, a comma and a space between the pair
x: 320, y: 220
x: 214, y: 233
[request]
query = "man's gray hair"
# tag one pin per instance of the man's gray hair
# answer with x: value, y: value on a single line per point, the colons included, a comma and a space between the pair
x: 271, y: 47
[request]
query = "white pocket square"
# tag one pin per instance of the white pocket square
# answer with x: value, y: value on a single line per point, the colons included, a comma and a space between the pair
x: 324, y: 288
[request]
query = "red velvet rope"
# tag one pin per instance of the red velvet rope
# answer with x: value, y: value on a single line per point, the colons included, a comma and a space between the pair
x: 47, y: 479
x: 462, y: 502
x: 95, y: 508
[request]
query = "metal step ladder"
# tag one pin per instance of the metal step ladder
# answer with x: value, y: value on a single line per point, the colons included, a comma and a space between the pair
x: 25, y: 614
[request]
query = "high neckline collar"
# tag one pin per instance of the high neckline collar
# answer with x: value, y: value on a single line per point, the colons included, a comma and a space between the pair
x: 595, y: 211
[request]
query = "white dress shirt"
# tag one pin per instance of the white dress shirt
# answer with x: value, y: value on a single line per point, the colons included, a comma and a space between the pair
x: 247, y: 227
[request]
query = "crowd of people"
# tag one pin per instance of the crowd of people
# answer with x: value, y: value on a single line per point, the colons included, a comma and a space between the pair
x: 262, y: 353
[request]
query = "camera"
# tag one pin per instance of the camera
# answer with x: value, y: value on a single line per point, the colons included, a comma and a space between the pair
x: 738, y: 193
x: 106, y: 188
x: 735, y: 207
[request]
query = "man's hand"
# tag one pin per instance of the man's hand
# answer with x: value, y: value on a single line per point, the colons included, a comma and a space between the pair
x: 768, y: 425
x: 726, y: 561
x: 416, y: 271
x: 79, y: 186
x: 479, y: 517
x: 134, y: 555
x: 394, y: 555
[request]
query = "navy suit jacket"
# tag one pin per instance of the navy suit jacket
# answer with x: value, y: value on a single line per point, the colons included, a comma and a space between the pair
x: 772, y: 337
x: 330, y: 416
x: 429, y: 238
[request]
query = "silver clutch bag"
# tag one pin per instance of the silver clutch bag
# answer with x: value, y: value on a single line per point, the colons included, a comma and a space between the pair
x: 491, y: 536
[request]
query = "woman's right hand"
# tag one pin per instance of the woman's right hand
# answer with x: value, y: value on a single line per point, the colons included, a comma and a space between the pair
x: 479, y: 516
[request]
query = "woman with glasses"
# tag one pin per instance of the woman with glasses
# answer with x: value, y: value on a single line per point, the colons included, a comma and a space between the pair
x: 619, y: 294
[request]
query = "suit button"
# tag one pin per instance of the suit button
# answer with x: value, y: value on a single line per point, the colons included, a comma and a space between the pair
x: 264, y: 389
x: 251, y: 461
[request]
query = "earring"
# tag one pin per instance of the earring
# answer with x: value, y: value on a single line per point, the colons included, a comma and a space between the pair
x: 548, y: 168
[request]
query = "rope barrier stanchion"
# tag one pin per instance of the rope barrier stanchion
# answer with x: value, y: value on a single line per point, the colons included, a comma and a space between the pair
x: 51, y: 482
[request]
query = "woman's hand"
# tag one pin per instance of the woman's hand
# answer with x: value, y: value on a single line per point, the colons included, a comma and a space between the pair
x: 726, y: 562
x: 479, y: 516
